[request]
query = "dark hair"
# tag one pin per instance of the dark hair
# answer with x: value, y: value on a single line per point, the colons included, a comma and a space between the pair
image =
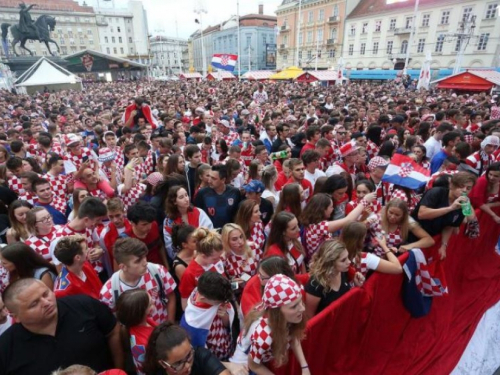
x: 38, y: 182
x: 141, y: 211
x: 190, y: 150
x: 311, y: 131
x: 173, y: 164
x: 131, y: 307
x: 463, y: 149
x: 14, y: 163
x: 445, y: 126
x: 310, y: 156
x: 314, y: 212
x: 290, y: 199
x: 92, y: 208
x: 333, y: 183
x: 222, y: 170
x: 164, y: 338
x: 279, y: 225
x: 67, y: 248
x: 276, y: 265
x: 180, y: 235
x: 170, y: 207
x: 128, y: 246
x: 214, y: 286
x: 16, y: 146
x: 54, y: 158
x: 493, y: 167
x: 25, y: 259
x: 370, y: 185
x: 387, y: 149
x: 373, y: 133
x: 448, y: 137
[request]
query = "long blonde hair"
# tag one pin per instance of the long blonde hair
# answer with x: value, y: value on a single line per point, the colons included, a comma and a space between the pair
x: 226, y: 231
x: 323, y: 263
x: 405, y: 222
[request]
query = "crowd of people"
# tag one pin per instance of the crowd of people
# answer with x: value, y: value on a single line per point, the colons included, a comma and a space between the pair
x: 195, y: 227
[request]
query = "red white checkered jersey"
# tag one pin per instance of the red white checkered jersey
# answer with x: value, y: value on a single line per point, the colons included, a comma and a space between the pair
x: 400, y: 194
x: 60, y: 204
x: 436, y: 175
x: 147, y: 282
x: 315, y: 235
x: 15, y: 185
x: 58, y: 184
x: 118, y: 173
x: 4, y: 278
x: 120, y: 159
x: 236, y: 265
x: 365, y: 263
x: 41, y: 244
x: 72, y: 163
x: 148, y: 165
x: 425, y: 164
x: 41, y: 154
x: 375, y: 207
x: 91, y: 238
x: 230, y: 138
x: 29, y: 197
x: 480, y: 161
x: 257, y: 235
x: 393, y: 239
x: 371, y: 149
x: 262, y: 340
x: 132, y: 196
x: 98, y: 193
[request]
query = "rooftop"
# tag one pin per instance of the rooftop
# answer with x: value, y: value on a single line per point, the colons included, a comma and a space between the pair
x: 371, y: 7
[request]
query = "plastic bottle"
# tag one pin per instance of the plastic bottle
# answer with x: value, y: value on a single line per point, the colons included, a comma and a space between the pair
x: 279, y: 155
x: 466, y: 206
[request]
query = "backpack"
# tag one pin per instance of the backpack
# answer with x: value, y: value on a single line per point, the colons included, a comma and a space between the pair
x: 153, y: 269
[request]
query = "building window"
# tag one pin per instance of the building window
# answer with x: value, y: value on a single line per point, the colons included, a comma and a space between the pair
x: 392, y: 24
x: 70, y: 33
x: 118, y: 28
x: 91, y: 41
x: 309, y: 55
x: 335, y: 10
x: 439, y: 44
x: 72, y: 41
x: 73, y: 49
x: 89, y: 31
x: 300, y: 55
x: 64, y: 50
x: 378, y: 26
x: 491, y: 11
x: 375, y: 48
x: 445, y: 17
x: 321, y: 16
x: 309, y: 37
x: 390, y: 43
x: 111, y: 29
x: 131, y: 50
x: 121, y: 50
x: 425, y: 20
x: 130, y: 39
x: 62, y: 41
x: 408, y: 22
x: 115, y: 51
x: 106, y: 40
x: 467, y: 13
x: 421, y: 45
x: 120, y: 39
x: 331, y: 53
x: 82, y: 41
x: 113, y: 40
x: 300, y: 39
x: 457, y: 45
x: 129, y: 21
x: 107, y: 50
x: 353, y: 30
x: 483, y: 42
x: 364, y: 29
x: 333, y: 33
x: 59, y: 31
x: 310, y: 16
x: 404, y: 46
x: 362, y: 49
x: 319, y: 35
x: 351, y: 49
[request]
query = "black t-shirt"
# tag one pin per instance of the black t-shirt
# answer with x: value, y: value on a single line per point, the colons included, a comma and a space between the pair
x: 220, y: 208
x: 315, y: 289
x: 266, y: 210
x: 82, y: 326
x: 437, y: 198
x: 7, y: 195
x: 204, y: 363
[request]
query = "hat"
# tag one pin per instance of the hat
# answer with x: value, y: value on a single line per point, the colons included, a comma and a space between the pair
x: 377, y: 161
x: 245, y: 112
x: 348, y: 148
x: 225, y: 123
x: 254, y: 186
x: 186, y: 120
x: 280, y: 290
x: 492, y: 140
x: 106, y: 154
x: 70, y: 139
x: 200, y: 110
x: 495, y: 113
x: 154, y: 178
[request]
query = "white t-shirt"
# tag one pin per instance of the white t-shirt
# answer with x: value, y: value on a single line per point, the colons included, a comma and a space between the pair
x: 372, y: 261
x: 276, y: 195
x: 312, y: 178
x: 6, y: 325
x: 432, y: 146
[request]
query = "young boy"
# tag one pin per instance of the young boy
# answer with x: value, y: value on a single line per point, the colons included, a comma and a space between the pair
x: 136, y: 272
x: 77, y: 275
x: 209, y: 315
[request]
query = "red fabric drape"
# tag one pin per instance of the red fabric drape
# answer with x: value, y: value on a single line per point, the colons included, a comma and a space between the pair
x: 368, y: 331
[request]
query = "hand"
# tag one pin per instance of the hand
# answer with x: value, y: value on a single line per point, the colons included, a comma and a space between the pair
x: 381, y: 241
x: 458, y: 202
x: 134, y: 112
x: 404, y: 248
x: 236, y: 368
x: 222, y: 310
x: 95, y: 253
x: 113, y: 166
x: 442, y: 252
x: 305, y: 371
x: 496, y: 218
x: 359, y: 279
x: 370, y: 197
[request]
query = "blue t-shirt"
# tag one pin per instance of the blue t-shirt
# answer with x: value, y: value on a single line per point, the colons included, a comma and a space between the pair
x: 220, y: 208
x: 437, y: 161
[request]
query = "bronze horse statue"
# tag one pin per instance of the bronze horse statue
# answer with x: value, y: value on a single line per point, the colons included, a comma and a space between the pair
x: 44, y: 24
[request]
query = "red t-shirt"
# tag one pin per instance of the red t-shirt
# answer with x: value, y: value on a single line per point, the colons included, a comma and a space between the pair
x: 306, y: 185
x: 307, y: 146
x: 152, y: 241
x: 69, y: 284
x: 294, y: 257
x: 190, y: 277
x: 139, y: 336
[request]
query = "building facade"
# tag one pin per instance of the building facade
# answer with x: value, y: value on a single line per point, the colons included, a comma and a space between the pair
x: 378, y: 35
x: 168, y: 55
x: 320, y: 34
x: 202, y: 40
x: 76, y: 26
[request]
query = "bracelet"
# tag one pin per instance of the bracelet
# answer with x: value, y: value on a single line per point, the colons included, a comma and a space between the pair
x: 129, y: 168
x: 444, y: 244
x: 306, y: 366
x: 387, y: 252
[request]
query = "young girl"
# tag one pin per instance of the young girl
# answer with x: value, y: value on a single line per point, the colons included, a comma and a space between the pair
x: 132, y: 310
x: 18, y: 230
x: 353, y: 237
x: 291, y: 199
x: 209, y: 251
x: 185, y: 244
x: 79, y: 194
x: 269, y: 178
x: 248, y: 218
x: 201, y: 177
x: 363, y: 188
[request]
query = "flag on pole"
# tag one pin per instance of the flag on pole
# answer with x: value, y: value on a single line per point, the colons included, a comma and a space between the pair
x: 424, y: 79
x: 403, y: 171
x: 224, y: 61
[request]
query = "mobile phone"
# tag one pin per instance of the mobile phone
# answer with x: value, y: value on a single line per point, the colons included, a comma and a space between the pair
x: 234, y: 285
x: 85, y: 158
x: 245, y: 277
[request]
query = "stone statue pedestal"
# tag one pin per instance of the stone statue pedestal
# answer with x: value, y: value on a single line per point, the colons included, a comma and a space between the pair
x: 20, y: 64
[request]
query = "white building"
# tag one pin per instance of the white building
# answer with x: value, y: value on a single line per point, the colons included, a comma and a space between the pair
x: 377, y: 34
x: 168, y: 55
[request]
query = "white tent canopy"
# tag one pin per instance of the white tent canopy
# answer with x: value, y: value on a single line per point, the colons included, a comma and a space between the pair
x: 47, y: 73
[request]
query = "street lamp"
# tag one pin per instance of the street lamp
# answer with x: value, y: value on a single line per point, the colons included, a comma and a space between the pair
x: 200, y: 11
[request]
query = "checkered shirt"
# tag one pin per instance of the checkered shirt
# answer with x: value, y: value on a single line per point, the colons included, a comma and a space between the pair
x: 230, y: 138
x: 148, y: 164
x: 29, y: 197
x: 42, y: 154
x: 98, y: 193
x: 4, y: 279
x: 58, y: 184
x: 393, y: 239
x: 41, y: 244
x: 15, y: 185
x: 59, y: 204
x: 107, y: 172
x: 475, y: 159
x: 469, y: 138
x: 235, y: 265
x: 316, y: 234
x: 219, y: 339
x: 262, y: 340
x: 435, y: 176
x: 257, y: 235
x: 132, y: 196
x: 66, y: 231
x: 147, y: 282
x: 360, y: 264
x: 371, y: 149
x: 400, y: 194
x: 119, y: 159
x: 77, y: 160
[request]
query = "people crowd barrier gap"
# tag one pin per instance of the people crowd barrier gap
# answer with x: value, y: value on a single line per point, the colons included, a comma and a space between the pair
x: 293, y: 198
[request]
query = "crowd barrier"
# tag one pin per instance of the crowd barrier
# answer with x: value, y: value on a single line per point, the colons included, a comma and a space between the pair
x: 368, y: 331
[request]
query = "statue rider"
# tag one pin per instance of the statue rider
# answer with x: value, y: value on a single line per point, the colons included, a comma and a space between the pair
x: 26, y: 23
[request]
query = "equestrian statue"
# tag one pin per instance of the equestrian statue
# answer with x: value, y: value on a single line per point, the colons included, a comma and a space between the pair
x: 27, y: 29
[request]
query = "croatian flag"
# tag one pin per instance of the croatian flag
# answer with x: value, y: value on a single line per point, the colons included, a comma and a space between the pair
x: 224, y: 62
x: 403, y: 171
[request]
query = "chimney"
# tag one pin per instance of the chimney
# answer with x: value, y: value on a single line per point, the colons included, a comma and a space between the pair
x: 261, y: 8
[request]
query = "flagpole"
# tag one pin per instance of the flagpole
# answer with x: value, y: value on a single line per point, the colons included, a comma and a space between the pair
x: 239, y: 45
x: 298, y: 33
x: 412, y: 34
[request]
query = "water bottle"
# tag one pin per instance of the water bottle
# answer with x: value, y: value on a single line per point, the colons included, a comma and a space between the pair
x: 279, y: 155
x: 466, y: 206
